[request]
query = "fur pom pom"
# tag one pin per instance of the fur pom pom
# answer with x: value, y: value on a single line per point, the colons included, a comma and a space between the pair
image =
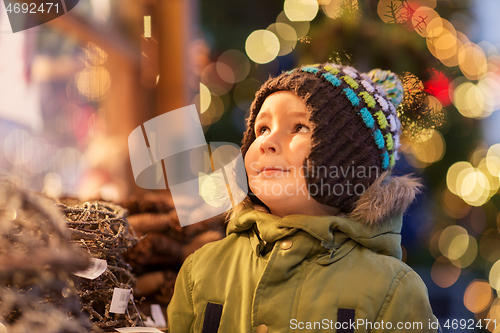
x: 386, y: 197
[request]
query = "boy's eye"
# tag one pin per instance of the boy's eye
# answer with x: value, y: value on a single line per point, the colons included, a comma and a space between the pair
x: 301, y: 128
x: 262, y: 130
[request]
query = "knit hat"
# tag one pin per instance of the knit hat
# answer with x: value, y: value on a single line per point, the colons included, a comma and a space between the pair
x: 355, y: 134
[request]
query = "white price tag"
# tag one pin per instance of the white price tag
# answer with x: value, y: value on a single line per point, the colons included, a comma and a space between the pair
x: 138, y: 330
x: 97, y: 267
x: 158, y: 316
x: 120, y: 300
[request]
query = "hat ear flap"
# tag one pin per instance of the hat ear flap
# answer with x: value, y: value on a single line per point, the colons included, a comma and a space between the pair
x: 389, y: 84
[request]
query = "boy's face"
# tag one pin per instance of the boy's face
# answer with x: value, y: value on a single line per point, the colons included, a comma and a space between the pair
x: 274, y: 161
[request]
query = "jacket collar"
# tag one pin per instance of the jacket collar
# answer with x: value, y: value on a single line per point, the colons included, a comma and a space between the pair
x: 331, y: 231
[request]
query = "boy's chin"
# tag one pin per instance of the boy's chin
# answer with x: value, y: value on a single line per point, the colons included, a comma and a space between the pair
x: 284, y: 205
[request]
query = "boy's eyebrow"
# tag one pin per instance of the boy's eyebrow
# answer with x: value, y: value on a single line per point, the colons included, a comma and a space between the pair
x: 299, y: 114
x: 262, y: 115
x: 267, y: 114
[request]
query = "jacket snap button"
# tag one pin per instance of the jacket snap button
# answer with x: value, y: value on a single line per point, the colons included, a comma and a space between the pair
x: 262, y: 328
x: 286, y: 244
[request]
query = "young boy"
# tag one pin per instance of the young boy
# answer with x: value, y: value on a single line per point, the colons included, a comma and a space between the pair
x: 316, y: 246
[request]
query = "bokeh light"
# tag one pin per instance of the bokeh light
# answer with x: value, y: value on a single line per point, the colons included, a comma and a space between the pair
x: 453, y: 242
x: 489, y: 85
x: 18, y: 147
x: 494, y: 276
x: 446, y: 45
x: 489, y: 245
x: 406, y: 148
x: 442, y: 41
x: 205, y: 98
x: 436, y: 27
x: 434, y: 241
x: 478, y: 296
x: 225, y: 72
x: 444, y: 273
x: 475, y: 188
x: 237, y: 61
x: 425, y: 3
x: 93, y: 82
x: 421, y: 18
x: 452, y: 176
x: 211, y: 79
x: 301, y: 27
x: 214, y: 111
x: 459, y: 39
x: 470, y: 101
x: 490, y: 49
x: 438, y: 87
x: 200, y: 161
x: 472, y: 61
x: 470, y: 254
x: 301, y: 10
x: 416, y: 14
x: 453, y: 205
x: 52, y: 184
x: 262, y: 46
x: 383, y: 7
x: 474, y: 185
x: 493, y: 160
x: 69, y: 163
x: 458, y: 247
x: 493, y: 180
x: 213, y: 189
x: 286, y: 35
x: 476, y: 156
x: 494, y: 65
x: 40, y: 161
x: 430, y: 148
x: 462, y: 38
x: 334, y: 8
x: 494, y: 314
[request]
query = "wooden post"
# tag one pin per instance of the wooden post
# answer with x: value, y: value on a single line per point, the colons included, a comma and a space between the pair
x: 175, y: 28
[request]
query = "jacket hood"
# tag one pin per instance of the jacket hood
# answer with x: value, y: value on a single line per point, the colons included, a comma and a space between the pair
x: 331, y: 231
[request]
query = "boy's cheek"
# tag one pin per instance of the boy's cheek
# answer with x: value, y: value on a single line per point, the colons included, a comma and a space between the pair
x: 253, y: 182
x: 255, y: 185
x: 253, y: 168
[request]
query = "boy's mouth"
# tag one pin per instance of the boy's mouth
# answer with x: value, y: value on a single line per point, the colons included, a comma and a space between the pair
x: 271, y: 170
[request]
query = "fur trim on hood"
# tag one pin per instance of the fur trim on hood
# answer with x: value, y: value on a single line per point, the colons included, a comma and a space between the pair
x: 387, y: 196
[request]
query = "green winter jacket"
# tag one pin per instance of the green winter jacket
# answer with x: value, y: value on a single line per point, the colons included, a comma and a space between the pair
x: 300, y: 274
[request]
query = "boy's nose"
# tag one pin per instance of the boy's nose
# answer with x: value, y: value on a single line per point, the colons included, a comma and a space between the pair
x: 270, y: 145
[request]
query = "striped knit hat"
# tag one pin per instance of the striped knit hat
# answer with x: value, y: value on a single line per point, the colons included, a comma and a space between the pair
x: 355, y: 134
